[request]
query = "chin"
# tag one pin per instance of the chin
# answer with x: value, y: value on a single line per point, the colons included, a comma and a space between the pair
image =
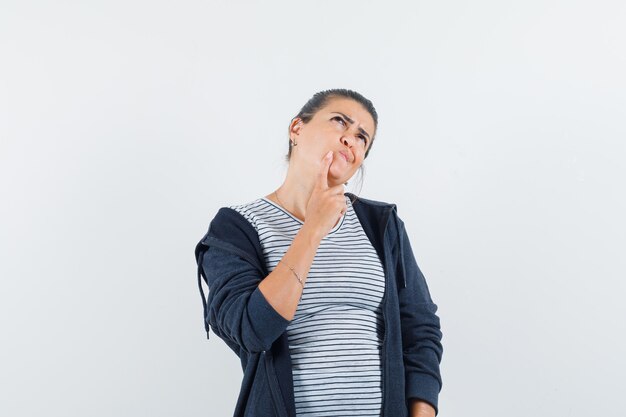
x: 333, y: 181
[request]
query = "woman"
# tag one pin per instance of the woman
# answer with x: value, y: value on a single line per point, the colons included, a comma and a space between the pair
x: 318, y: 291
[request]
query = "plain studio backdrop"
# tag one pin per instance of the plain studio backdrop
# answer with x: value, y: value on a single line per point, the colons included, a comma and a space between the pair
x: 126, y: 125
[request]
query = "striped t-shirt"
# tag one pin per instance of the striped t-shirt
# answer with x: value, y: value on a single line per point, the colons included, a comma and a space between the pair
x: 335, y: 337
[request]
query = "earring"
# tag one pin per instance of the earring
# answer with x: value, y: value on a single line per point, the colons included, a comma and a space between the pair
x: 293, y: 143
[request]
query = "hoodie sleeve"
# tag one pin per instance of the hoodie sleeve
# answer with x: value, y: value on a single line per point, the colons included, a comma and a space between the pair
x: 236, y: 308
x: 421, y: 334
x: 229, y: 258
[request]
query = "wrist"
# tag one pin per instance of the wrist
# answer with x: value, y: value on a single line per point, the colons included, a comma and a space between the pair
x: 311, y: 234
x: 420, y: 408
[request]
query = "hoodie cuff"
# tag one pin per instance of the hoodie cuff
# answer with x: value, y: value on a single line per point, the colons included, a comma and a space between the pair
x: 423, y: 387
x: 267, y: 323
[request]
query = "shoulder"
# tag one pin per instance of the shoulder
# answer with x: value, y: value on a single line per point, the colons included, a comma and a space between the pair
x: 230, y: 229
x: 236, y: 217
x: 368, y: 209
x: 230, y: 223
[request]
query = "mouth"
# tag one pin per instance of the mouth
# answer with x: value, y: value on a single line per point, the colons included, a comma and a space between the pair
x: 345, y: 156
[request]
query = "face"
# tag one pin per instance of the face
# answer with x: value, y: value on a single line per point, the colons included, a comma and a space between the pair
x: 343, y: 126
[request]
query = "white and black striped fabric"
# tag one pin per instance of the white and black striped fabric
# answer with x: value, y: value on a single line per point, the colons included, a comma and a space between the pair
x: 336, y: 335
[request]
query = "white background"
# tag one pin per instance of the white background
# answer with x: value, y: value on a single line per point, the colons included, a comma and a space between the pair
x: 125, y: 125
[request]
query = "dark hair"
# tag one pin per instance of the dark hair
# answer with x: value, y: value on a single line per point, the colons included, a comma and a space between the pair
x: 321, y: 99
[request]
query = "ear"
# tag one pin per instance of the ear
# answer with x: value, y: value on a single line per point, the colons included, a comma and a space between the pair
x: 295, y: 126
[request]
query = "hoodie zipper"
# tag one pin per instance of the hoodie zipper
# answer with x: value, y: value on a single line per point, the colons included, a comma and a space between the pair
x: 383, y: 305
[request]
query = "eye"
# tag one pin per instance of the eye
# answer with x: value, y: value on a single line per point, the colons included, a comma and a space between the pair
x: 344, y: 122
x: 339, y: 118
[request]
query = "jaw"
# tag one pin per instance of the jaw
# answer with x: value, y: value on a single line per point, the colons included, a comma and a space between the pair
x: 338, y: 175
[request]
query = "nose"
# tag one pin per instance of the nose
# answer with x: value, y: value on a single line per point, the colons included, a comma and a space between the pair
x: 348, y: 139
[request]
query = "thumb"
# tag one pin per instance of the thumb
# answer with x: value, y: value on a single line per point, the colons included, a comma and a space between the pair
x: 322, y: 175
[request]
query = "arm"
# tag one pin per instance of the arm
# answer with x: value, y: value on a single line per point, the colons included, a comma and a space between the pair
x: 236, y: 309
x: 281, y: 288
x: 421, y: 336
x: 250, y: 310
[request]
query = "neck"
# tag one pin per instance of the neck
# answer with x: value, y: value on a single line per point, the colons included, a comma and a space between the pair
x: 295, y: 191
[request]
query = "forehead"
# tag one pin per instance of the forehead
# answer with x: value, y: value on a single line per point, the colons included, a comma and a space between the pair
x: 353, y: 110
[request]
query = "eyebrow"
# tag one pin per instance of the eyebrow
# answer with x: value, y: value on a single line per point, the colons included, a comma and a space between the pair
x: 352, y: 121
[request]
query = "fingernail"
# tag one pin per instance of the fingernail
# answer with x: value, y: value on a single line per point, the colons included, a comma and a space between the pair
x: 330, y: 153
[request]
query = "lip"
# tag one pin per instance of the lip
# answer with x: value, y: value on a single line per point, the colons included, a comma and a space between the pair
x: 345, y: 155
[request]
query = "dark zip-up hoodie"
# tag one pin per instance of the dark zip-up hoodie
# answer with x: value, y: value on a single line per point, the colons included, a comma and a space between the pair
x: 231, y: 261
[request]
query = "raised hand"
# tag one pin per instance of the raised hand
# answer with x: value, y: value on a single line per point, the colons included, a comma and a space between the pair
x: 326, y: 204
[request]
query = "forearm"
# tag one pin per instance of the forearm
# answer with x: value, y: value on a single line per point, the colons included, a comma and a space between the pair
x: 420, y: 408
x: 281, y: 288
